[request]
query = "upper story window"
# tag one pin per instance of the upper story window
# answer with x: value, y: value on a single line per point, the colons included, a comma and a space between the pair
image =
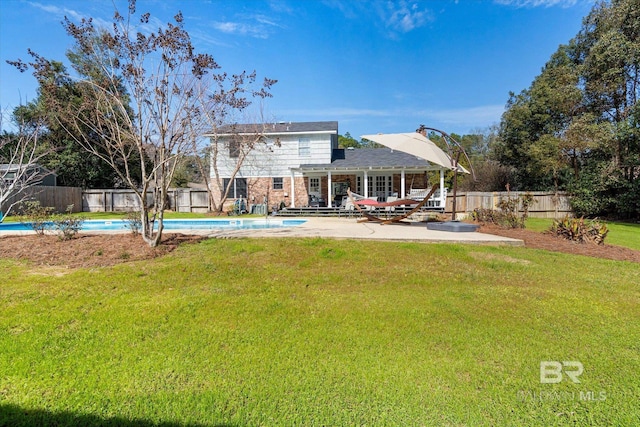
x: 304, y: 147
x: 234, y: 149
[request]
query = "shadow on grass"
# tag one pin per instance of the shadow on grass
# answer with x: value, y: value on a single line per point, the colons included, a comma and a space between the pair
x: 15, y: 416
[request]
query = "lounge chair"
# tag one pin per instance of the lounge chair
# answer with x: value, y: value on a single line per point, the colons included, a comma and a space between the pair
x: 350, y: 201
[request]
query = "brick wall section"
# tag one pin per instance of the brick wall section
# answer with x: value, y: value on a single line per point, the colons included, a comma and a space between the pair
x: 257, y: 188
x: 301, y: 185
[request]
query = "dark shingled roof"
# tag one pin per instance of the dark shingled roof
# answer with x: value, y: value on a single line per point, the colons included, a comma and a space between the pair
x: 370, y: 157
x: 280, y: 127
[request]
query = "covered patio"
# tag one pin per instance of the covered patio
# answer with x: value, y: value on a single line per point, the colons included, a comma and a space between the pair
x: 408, y: 164
x: 372, y: 173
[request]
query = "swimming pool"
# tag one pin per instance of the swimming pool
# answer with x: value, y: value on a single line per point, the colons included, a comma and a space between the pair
x: 177, y: 224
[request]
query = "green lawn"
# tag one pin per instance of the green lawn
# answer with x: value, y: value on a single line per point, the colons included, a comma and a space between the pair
x: 321, y: 332
x: 620, y: 233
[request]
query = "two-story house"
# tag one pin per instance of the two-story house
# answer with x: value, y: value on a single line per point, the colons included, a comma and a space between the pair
x: 300, y: 164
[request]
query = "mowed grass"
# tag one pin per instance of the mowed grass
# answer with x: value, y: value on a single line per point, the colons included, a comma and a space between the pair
x: 620, y: 233
x: 321, y: 332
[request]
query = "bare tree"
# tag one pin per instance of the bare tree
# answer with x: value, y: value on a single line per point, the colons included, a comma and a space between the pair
x: 20, y: 153
x: 221, y: 109
x: 162, y: 79
x: 232, y: 151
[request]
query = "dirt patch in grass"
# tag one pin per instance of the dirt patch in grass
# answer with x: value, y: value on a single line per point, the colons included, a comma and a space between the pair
x: 549, y: 242
x: 87, y: 250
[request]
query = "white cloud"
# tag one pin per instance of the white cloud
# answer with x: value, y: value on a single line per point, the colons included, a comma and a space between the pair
x: 404, y: 17
x: 241, y: 28
x: 453, y: 115
x: 265, y: 20
x: 537, y: 3
x: 327, y: 113
x: 47, y: 8
x: 350, y: 9
x: 60, y: 12
x: 206, y: 38
x: 256, y: 25
x: 278, y: 6
x: 456, y: 119
x: 479, y: 116
x: 396, y: 17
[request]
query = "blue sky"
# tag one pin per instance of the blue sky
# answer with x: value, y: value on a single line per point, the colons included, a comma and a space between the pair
x: 374, y: 66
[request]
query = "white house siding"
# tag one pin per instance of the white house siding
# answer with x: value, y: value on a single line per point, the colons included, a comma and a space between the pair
x: 269, y: 161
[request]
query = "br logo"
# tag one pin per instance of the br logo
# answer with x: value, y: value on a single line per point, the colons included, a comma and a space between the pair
x: 551, y: 371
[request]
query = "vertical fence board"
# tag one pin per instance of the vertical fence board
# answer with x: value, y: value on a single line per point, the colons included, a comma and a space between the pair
x: 547, y: 203
x: 57, y: 197
x: 110, y: 200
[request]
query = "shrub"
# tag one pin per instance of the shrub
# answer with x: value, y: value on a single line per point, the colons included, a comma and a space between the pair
x: 486, y: 216
x: 580, y: 231
x: 37, y: 217
x: 67, y: 225
x: 508, y: 213
x: 133, y: 221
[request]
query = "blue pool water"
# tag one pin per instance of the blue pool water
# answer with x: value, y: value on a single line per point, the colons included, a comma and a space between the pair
x: 177, y: 224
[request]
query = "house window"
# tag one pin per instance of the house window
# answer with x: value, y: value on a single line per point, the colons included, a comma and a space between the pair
x: 359, y: 184
x: 234, y: 149
x: 380, y: 186
x: 304, y: 147
x: 277, y: 183
x: 238, y: 188
x: 314, y: 185
x: 8, y: 178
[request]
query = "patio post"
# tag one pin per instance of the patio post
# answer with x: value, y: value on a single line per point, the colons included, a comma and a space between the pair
x: 366, y: 185
x: 329, y: 201
x: 443, y: 197
x: 293, y: 189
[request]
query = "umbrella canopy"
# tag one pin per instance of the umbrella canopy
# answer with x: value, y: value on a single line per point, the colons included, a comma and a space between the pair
x: 418, y: 145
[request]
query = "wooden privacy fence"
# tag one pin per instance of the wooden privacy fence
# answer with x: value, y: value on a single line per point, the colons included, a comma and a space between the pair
x: 179, y: 200
x: 57, y: 197
x: 547, y: 203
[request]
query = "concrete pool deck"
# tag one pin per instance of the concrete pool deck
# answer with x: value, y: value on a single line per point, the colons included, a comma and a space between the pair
x: 342, y: 228
x: 339, y: 228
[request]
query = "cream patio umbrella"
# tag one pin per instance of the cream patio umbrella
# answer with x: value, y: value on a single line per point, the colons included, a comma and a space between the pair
x: 418, y: 145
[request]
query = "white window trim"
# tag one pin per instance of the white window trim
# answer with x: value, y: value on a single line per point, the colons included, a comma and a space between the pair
x: 319, y: 190
x: 304, y: 147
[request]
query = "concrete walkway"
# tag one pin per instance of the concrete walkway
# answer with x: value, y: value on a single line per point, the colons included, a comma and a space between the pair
x: 342, y: 228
